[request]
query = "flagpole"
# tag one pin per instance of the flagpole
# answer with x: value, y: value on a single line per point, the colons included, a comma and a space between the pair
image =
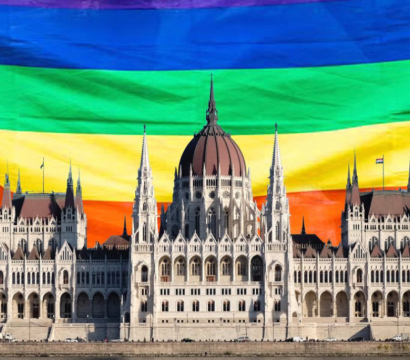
x: 43, y: 175
x: 383, y: 172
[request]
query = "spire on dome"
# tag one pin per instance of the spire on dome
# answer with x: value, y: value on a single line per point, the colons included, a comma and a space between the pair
x: 303, y: 232
x: 144, y: 152
x: 349, y: 184
x: 18, y: 188
x: 212, y: 113
x: 276, y: 160
x: 355, y: 179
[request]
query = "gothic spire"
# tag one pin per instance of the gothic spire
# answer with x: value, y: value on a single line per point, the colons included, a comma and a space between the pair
x: 212, y: 113
x: 349, y: 184
x: 78, y: 195
x: 303, y: 232
x: 70, y: 177
x: 69, y: 196
x: 124, y: 231
x: 144, y: 153
x: 18, y: 188
x: 276, y: 160
x: 355, y: 179
x: 6, y: 200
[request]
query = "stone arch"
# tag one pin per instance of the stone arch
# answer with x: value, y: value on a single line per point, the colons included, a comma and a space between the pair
x: 225, y: 269
x: 359, y: 304
x: 326, y: 304
x: 165, y: 269
x: 310, y: 305
x: 33, y: 302
x: 98, y: 306
x: 18, y: 305
x: 392, y: 300
x: 342, y: 304
x: 179, y: 269
x: 210, y: 268
x: 406, y: 304
x: 195, y: 269
x: 241, y: 268
x: 257, y: 268
x: 48, y: 306
x: 83, y: 306
x: 113, y: 306
x: 65, y: 306
x: 377, y: 304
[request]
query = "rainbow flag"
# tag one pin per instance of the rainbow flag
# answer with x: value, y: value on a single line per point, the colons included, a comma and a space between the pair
x: 79, y: 78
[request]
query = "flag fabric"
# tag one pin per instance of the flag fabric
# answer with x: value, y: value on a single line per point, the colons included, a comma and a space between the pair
x: 380, y: 161
x: 80, y: 78
x: 42, y: 165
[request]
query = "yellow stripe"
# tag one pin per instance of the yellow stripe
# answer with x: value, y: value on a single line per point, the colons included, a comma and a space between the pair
x: 109, y: 163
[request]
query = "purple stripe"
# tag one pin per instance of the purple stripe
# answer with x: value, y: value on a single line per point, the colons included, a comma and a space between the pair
x: 150, y: 4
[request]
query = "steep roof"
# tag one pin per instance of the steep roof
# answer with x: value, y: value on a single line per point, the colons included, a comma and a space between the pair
x: 326, y: 252
x: 386, y: 202
x: 34, y: 255
x: 340, y: 253
x: 116, y: 241
x: 18, y: 255
x: 308, y: 239
x: 310, y: 252
x: 376, y: 252
x: 406, y: 251
x: 41, y: 205
x: 391, y: 252
x: 49, y: 254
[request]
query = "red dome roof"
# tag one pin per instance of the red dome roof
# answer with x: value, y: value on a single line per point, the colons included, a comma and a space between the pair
x: 212, y: 147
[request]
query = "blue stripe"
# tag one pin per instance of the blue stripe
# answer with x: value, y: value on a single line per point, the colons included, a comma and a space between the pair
x: 304, y: 35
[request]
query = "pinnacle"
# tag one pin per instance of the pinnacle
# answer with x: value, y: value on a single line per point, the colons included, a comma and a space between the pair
x: 212, y: 113
x: 276, y: 160
x: 144, y: 153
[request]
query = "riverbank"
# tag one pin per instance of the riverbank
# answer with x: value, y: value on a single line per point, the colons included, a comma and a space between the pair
x: 309, y: 349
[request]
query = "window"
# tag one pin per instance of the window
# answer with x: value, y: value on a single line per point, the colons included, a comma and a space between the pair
x: 211, y: 291
x: 226, y: 291
x: 144, y: 274
x: 212, y: 221
x: 359, y: 278
x: 165, y: 268
x: 277, y: 231
x: 179, y: 291
x: 278, y: 273
x: 195, y: 267
x: 165, y: 306
x: 195, y: 291
x: 242, y: 305
x: 226, y: 305
x: 180, y: 267
x: 241, y: 291
x: 226, y: 267
x: 180, y: 306
x: 197, y: 220
x: 277, y: 305
x: 211, y: 305
x: 65, y: 277
x: 144, y: 306
x: 210, y: 267
x: 256, y: 306
x: 144, y: 291
x: 226, y: 219
x: 195, y: 306
x: 164, y: 291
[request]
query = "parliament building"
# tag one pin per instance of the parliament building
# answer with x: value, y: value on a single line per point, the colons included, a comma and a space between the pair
x: 215, y: 267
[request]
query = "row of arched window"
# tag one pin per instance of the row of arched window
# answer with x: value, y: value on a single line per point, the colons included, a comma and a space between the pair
x: 326, y: 276
x: 33, y: 278
x: 98, y: 277
x: 210, y: 306
x: 391, y: 276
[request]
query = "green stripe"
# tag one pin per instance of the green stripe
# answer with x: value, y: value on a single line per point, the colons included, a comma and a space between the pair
x: 174, y: 102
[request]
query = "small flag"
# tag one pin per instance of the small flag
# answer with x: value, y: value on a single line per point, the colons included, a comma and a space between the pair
x: 42, y: 165
x: 379, y: 161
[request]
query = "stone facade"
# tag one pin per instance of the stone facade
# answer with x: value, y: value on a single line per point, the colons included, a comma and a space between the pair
x: 217, y: 266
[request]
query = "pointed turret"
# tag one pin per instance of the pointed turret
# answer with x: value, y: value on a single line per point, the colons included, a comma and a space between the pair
x: 69, y: 197
x: 355, y: 197
x: 78, y: 195
x: 276, y: 159
x: 355, y: 178
x: 6, y: 200
x: 303, y: 232
x: 124, y: 231
x: 211, y: 112
x: 18, y: 188
x: 145, y: 207
x: 349, y: 184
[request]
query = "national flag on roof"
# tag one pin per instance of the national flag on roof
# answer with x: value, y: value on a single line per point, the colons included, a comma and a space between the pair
x: 380, y: 161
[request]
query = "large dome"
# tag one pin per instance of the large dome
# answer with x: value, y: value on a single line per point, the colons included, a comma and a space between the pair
x: 213, y: 148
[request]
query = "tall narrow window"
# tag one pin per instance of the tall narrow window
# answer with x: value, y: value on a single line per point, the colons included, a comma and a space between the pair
x: 212, y: 221
x: 226, y: 219
x: 197, y: 220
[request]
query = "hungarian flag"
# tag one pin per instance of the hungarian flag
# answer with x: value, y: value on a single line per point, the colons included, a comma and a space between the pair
x: 379, y: 161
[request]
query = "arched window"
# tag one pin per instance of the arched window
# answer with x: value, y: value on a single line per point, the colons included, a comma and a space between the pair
x: 18, y: 278
x: 65, y: 277
x: 359, y: 277
x: 180, y: 306
x: 180, y: 267
x: 256, y: 306
x: 326, y: 277
x: 165, y: 268
x: 321, y: 276
x: 277, y: 233
x: 144, y: 207
x: 310, y: 277
x: 144, y: 274
x: 195, y: 306
x: 197, y: 220
x: 226, y: 219
x: 44, y: 278
x: 277, y: 305
x: 388, y: 276
x: 13, y: 278
x: 372, y: 276
x: 381, y: 276
x: 241, y: 265
x: 337, y: 276
x: 144, y: 232
x: 256, y: 269
x: 226, y: 306
x: 144, y: 306
x: 22, y: 278
x: 33, y: 278
x: 210, y: 267
x: 306, y: 277
x: 242, y: 305
x: 226, y: 267
x: 211, y: 305
x: 28, y: 278
x: 212, y: 221
x: 165, y: 306
x: 48, y: 278
x: 195, y: 267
